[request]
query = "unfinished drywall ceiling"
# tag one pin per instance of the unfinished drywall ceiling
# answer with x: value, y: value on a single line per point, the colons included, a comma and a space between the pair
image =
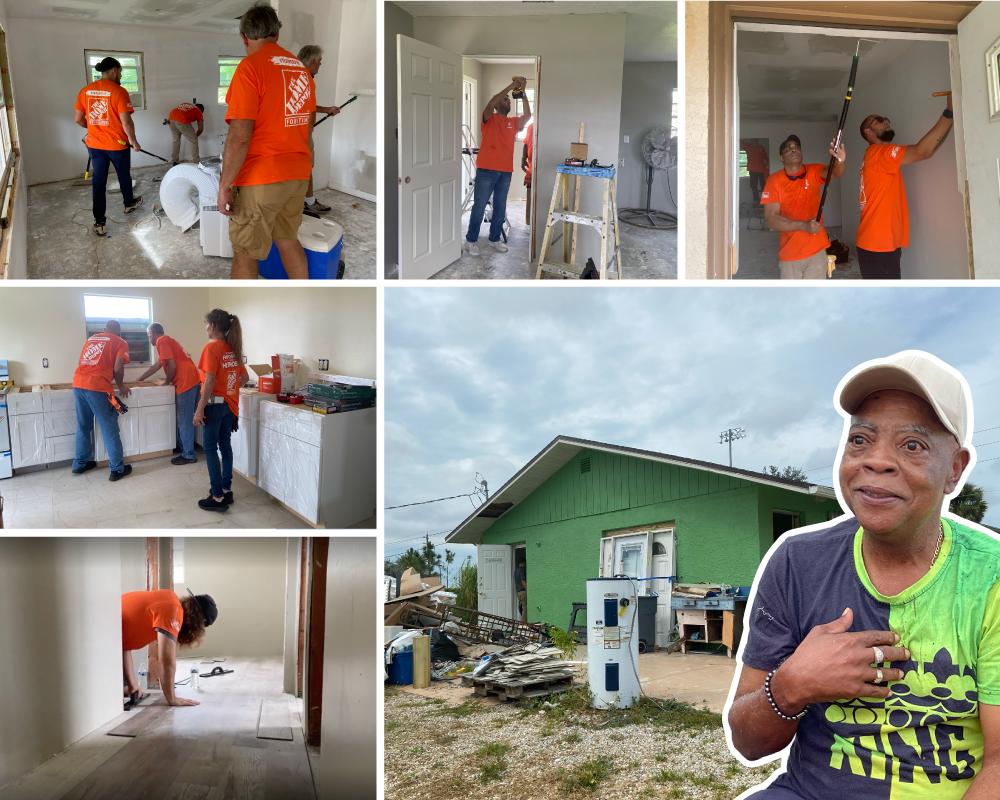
x: 214, y: 15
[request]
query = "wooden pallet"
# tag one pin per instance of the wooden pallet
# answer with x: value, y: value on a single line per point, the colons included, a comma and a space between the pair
x: 517, y: 690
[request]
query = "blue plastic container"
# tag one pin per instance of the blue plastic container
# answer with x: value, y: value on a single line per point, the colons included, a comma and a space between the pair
x: 401, y: 668
x: 322, y: 239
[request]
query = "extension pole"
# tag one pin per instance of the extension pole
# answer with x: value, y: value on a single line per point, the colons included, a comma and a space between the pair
x: 341, y: 107
x: 840, y: 129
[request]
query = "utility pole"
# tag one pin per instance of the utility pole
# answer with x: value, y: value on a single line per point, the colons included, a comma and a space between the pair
x: 728, y: 436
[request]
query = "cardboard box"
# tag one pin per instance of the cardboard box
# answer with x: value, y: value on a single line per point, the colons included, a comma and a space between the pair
x: 578, y: 150
x: 268, y: 381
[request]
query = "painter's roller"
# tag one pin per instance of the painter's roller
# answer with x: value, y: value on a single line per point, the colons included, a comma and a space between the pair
x: 341, y: 107
x: 146, y: 152
x: 840, y: 128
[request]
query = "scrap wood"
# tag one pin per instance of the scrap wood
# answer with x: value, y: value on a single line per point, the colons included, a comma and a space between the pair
x: 696, y: 590
x: 473, y: 626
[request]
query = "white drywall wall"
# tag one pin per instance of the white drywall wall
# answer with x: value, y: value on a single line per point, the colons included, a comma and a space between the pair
x: 246, y: 578
x: 647, y: 96
x: 60, y: 613
x: 976, y: 34
x: 902, y: 92
x: 396, y: 22
x: 17, y: 255
x: 815, y: 138
x: 348, y: 754
x: 293, y: 566
x: 178, y: 65
x: 336, y: 324
x: 581, y: 80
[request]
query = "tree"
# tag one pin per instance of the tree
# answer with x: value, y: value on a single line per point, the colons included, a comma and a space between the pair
x: 969, y: 503
x: 449, y: 559
x: 788, y: 473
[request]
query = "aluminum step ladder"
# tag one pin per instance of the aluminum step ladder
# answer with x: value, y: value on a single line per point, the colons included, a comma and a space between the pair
x: 559, y: 212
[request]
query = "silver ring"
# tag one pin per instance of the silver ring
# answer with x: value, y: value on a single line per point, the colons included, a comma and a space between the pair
x: 878, y: 675
x: 879, y: 655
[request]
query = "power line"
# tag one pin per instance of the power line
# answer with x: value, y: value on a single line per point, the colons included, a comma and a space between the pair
x: 435, y: 500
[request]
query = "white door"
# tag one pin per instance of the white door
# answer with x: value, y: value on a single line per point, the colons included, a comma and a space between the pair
x: 631, y: 555
x: 27, y: 440
x: 496, y: 579
x: 607, y: 558
x: 429, y: 84
x: 270, y: 467
x: 157, y: 428
x: 663, y: 570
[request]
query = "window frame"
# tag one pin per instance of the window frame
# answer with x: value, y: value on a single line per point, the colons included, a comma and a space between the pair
x: 148, y: 359
x: 140, y: 71
x: 224, y: 90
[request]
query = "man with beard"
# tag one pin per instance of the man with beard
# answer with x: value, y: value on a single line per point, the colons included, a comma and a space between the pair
x: 885, y: 221
x: 873, y: 641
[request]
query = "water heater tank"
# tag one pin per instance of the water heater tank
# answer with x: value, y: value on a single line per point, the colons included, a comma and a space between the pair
x: 612, y: 642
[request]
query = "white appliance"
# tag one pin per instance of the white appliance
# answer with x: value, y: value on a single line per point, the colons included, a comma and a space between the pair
x: 612, y: 642
x: 245, y: 439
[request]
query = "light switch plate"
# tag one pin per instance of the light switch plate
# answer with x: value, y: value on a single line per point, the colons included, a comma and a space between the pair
x: 627, y: 138
x: 45, y: 363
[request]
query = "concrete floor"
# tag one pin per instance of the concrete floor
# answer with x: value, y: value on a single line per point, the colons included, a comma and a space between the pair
x: 62, y: 245
x: 759, y: 254
x: 157, y: 494
x: 701, y: 679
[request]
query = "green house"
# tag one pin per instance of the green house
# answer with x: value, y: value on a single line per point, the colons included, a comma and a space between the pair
x: 582, y: 509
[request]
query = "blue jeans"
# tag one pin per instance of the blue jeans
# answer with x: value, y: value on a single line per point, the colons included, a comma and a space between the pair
x: 100, y: 160
x: 218, y: 430
x: 489, y: 182
x: 186, y: 403
x: 92, y: 405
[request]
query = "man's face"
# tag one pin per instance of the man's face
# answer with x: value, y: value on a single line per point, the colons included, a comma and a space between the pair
x: 791, y: 156
x: 898, y: 464
x: 882, y: 128
x: 152, y: 335
x: 314, y: 65
x: 504, y: 105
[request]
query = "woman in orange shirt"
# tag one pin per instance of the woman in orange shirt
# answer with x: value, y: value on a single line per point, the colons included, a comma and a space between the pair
x: 223, y: 373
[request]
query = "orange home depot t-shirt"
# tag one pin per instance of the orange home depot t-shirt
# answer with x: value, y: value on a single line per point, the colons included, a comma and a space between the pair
x: 272, y: 88
x: 530, y: 144
x: 186, y: 114
x: 145, y: 613
x: 496, y: 150
x: 885, y: 219
x: 185, y: 372
x: 96, y: 367
x: 101, y: 103
x: 218, y: 359
x: 799, y: 200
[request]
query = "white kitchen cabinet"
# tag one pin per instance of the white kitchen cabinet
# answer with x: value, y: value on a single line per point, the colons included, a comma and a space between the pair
x: 245, y: 440
x: 60, y: 448
x: 58, y: 401
x: 24, y: 403
x: 27, y: 440
x: 157, y: 428
x: 143, y: 396
x: 59, y: 423
x: 128, y: 429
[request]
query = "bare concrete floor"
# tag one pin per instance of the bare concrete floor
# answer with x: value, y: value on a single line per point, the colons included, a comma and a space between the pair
x: 759, y: 254
x: 62, y: 245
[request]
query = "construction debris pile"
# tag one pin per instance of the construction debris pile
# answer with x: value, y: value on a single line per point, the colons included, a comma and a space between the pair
x: 530, y: 670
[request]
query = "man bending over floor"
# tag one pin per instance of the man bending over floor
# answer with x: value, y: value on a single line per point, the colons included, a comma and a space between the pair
x: 162, y: 617
x: 873, y: 642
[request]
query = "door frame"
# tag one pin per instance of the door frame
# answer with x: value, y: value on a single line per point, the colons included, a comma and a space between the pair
x: 319, y: 549
x: 882, y: 15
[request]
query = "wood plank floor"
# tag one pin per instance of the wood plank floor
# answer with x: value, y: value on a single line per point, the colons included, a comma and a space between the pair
x: 207, y: 752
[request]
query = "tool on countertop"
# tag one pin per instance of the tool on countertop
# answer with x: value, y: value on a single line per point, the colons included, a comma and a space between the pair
x: 216, y: 672
x: 147, y: 152
x: 341, y: 107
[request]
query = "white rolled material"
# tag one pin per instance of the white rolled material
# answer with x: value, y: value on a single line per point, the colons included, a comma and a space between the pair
x: 184, y: 190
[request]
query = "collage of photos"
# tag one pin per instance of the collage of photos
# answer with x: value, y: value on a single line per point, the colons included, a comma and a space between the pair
x: 299, y: 277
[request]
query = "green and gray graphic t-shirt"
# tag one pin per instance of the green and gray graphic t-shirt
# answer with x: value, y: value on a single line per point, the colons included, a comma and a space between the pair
x: 925, y: 740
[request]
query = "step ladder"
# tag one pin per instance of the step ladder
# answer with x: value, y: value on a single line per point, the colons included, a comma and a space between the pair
x: 559, y: 212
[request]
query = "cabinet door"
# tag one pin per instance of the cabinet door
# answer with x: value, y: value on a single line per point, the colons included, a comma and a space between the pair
x: 60, y: 448
x: 303, y: 479
x: 128, y: 429
x: 271, y: 466
x: 27, y: 440
x: 157, y: 428
x: 59, y: 423
x: 241, y: 449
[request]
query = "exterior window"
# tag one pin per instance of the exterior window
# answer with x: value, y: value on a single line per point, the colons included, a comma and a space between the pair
x: 133, y: 313
x: 133, y: 78
x: 227, y: 66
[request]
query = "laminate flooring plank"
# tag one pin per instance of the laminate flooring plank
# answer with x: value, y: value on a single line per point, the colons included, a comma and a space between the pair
x: 275, y: 721
x: 62, y: 772
x: 140, y: 719
x: 244, y: 778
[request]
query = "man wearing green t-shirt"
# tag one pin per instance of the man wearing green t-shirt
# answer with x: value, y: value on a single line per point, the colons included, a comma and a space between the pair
x: 873, y: 644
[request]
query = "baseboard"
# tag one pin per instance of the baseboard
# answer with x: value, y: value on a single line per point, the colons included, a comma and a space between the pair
x: 353, y: 192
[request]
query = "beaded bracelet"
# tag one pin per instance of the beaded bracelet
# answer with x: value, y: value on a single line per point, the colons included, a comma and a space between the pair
x: 774, y: 705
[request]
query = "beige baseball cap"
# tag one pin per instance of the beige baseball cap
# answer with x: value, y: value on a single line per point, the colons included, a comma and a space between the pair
x: 916, y: 372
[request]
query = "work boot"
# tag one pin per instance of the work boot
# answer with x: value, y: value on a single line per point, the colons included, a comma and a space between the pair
x: 117, y: 476
x: 100, y: 229
x: 85, y: 468
x: 309, y: 212
x: 211, y: 504
x: 499, y: 246
x: 319, y: 208
x: 471, y: 248
x: 182, y: 460
x: 227, y: 498
x: 136, y: 202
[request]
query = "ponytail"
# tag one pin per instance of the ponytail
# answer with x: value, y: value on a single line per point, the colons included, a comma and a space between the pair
x: 229, y: 326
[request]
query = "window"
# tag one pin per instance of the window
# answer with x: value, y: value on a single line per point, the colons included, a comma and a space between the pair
x: 227, y: 66
x: 531, y: 102
x: 134, y: 315
x: 133, y: 79
x: 178, y: 554
x: 744, y: 172
x: 783, y: 521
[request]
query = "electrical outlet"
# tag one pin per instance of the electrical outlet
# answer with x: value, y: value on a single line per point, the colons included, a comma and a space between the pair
x: 324, y: 364
x: 627, y: 139
x: 45, y: 363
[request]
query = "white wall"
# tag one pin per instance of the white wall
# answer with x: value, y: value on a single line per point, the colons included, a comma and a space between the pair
x: 647, y: 95
x: 396, y: 22
x: 178, y: 65
x: 696, y: 118
x: 60, y: 660
x: 937, y: 221
x: 246, y: 578
x: 815, y: 138
x: 977, y: 33
x: 337, y: 324
x: 348, y: 752
x: 293, y: 563
x: 17, y: 257
x: 581, y: 80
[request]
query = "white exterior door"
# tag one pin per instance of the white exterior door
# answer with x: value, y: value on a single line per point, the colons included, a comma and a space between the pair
x: 496, y: 579
x: 429, y: 84
x: 663, y: 570
x: 157, y: 428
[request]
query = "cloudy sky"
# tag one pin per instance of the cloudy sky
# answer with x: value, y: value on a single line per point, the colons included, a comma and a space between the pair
x: 481, y: 379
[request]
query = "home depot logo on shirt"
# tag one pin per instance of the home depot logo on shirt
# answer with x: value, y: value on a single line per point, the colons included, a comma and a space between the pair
x: 97, y: 107
x: 297, y: 91
x: 91, y: 355
x: 232, y: 368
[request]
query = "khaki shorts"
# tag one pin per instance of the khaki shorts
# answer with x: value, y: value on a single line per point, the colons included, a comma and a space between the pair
x: 264, y: 213
x: 812, y: 268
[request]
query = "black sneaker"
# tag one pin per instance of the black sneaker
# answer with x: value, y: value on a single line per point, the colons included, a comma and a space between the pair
x: 117, y: 476
x: 136, y: 202
x: 211, y: 504
x: 100, y: 228
x: 85, y: 468
x: 227, y: 498
x: 319, y: 207
x: 308, y: 211
x: 182, y: 460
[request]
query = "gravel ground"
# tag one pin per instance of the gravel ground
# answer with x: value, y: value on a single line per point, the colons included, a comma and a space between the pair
x: 436, y: 750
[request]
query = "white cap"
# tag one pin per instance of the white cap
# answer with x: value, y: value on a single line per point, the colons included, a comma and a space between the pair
x: 916, y: 372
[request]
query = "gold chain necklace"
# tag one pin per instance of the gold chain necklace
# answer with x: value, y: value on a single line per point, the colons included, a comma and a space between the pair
x: 940, y: 541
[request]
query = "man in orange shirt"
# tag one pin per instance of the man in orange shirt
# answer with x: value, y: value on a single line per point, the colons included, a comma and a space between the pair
x: 527, y: 151
x: 181, y: 372
x: 182, y: 120
x: 758, y: 165
x: 494, y: 166
x: 884, y: 229
x: 791, y: 201
x: 311, y: 56
x: 104, y: 108
x: 102, y: 360
x: 267, y: 161
x: 162, y: 617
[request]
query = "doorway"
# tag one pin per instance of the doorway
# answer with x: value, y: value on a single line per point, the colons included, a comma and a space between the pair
x: 782, y: 522
x: 790, y: 79
x: 520, y: 579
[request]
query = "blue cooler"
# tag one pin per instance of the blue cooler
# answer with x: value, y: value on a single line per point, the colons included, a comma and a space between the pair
x: 322, y: 240
x: 401, y: 668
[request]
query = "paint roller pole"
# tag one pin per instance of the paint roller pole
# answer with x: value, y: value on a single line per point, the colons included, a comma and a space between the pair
x: 146, y: 152
x: 840, y: 129
x: 341, y: 107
